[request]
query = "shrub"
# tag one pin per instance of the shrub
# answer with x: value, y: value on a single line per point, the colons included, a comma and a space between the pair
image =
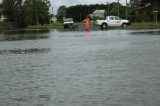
x: 4, y: 25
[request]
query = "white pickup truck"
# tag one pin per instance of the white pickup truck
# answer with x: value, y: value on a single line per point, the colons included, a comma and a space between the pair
x: 112, y: 21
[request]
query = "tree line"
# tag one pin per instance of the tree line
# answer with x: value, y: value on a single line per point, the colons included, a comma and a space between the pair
x: 79, y: 12
x: 143, y: 10
x: 35, y: 12
x: 26, y: 12
x: 136, y: 10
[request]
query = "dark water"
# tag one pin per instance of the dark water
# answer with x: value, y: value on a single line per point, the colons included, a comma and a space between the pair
x: 102, y: 68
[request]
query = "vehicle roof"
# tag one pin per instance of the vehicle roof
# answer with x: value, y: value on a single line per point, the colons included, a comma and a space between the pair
x: 112, y: 16
x: 68, y: 19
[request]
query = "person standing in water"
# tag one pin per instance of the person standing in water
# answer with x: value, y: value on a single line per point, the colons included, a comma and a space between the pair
x: 87, y: 24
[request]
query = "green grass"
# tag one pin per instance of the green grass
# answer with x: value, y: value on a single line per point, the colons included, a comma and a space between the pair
x: 58, y: 25
x: 4, y: 26
x: 133, y: 26
x: 139, y: 26
x: 47, y: 26
x: 144, y: 25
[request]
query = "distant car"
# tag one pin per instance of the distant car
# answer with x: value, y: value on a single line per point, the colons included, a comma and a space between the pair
x: 112, y: 21
x: 69, y: 23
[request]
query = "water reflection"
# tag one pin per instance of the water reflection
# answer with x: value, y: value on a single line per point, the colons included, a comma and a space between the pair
x: 87, y: 33
x: 25, y: 51
x: 151, y: 32
x: 23, y: 35
x: 29, y: 31
x: 108, y: 68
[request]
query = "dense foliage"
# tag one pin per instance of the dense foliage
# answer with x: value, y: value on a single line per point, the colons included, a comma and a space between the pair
x: 34, y: 12
x: 79, y: 12
x: 150, y: 1
x: 143, y: 10
x: 26, y: 12
x: 137, y: 11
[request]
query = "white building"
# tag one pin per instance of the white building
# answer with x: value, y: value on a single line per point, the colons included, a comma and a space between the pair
x: 2, y: 18
x: 98, y: 13
x: 53, y: 19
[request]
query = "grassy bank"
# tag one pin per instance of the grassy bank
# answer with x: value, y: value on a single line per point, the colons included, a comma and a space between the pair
x: 139, y: 26
x: 4, y: 26
x: 47, y: 26
x: 144, y: 25
x: 134, y: 26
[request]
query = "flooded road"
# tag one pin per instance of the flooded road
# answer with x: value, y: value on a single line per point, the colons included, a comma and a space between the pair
x: 97, y: 68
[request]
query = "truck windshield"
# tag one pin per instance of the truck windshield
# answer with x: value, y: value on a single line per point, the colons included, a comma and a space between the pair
x: 68, y: 20
x: 111, y: 18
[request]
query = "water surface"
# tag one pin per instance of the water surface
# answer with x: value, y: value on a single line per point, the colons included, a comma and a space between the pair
x: 75, y: 68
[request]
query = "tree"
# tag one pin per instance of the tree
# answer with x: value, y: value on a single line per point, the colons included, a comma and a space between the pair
x: 10, y: 8
x: 150, y: 1
x: 38, y: 12
x: 61, y: 12
x: 135, y: 3
x: 155, y: 3
x: 25, y: 12
x: 14, y: 11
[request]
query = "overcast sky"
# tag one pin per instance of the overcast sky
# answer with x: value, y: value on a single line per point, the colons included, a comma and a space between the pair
x: 57, y: 3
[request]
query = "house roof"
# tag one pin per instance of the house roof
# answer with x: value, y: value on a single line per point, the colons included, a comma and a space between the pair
x: 98, y: 11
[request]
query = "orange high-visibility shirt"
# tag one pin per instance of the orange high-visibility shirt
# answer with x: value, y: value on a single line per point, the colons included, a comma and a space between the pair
x: 87, y: 23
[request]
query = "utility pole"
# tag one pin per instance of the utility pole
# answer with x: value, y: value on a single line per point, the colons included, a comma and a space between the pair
x: 108, y: 6
x: 155, y: 13
x: 126, y: 10
x: 107, y: 9
x: 118, y: 8
x: 80, y: 16
x: 155, y: 19
x: 52, y: 10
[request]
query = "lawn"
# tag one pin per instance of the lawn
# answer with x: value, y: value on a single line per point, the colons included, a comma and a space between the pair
x: 47, y: 26
x: 144, y: 25
x: 133, y: 26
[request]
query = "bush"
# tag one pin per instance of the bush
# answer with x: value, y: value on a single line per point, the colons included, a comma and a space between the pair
x: 4, y: 25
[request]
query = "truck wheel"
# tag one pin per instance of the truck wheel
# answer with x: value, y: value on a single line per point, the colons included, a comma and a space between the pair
x: 124, y: 25
x: 76, y: 26
x: 104, y: 26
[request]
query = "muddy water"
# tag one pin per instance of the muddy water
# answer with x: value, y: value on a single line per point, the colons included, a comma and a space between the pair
x: 97, y: 68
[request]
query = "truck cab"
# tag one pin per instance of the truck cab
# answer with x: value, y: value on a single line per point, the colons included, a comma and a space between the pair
x: 114, y: 21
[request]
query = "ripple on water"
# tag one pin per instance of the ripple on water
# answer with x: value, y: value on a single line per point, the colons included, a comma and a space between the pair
x: 25, y: 51
x: 108, y: 68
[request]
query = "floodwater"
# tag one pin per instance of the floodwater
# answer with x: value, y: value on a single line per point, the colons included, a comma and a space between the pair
x: 75, y: 68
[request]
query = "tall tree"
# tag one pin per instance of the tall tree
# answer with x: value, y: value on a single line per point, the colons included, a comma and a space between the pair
x: 38, y: 11
x: 135, y: 3
x: 155, y: 3
x: 14, y: 11
x: 61, y: 12
x: 27, y: 12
